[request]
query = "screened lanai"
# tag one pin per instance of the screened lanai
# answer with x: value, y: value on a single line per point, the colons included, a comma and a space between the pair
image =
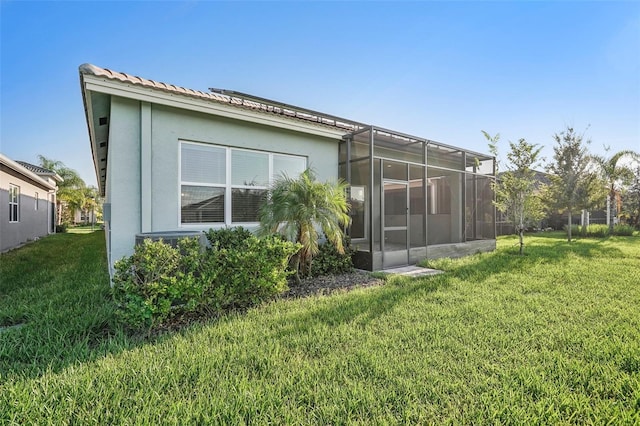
x: 413, y: 198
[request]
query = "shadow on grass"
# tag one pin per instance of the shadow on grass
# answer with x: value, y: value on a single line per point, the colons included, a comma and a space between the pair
x: 360, y: 308
x: 59, y: 288
x: 549, y: 249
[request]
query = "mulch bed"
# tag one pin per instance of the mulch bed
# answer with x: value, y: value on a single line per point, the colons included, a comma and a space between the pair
x: 328, y: 284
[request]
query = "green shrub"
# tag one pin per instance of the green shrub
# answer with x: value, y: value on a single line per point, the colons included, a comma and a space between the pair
x: 159, y: 281
x: 252, y: 271
x: 329, y: 262
x: 593, y: 231
x: 575, y: 229
x: 623, y: 230
x: 228, y: 238
x: 597, y: 231
x: 601, y: 231
x: 62, y: 228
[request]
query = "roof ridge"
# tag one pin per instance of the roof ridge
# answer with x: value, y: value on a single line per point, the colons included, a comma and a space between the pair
x: 295, y: 113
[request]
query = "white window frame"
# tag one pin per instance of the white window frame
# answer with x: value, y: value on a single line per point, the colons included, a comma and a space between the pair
x: 228, y: 185
x: 14, y: 200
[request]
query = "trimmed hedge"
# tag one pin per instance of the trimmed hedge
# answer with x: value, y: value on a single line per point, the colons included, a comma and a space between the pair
x: 600, y: 231
x: 159, y: 282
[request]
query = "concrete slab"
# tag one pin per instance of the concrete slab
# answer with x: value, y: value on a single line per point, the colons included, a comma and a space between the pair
x: 412, y: 271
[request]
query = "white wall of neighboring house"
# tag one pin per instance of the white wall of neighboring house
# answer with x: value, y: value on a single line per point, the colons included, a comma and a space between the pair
x: 84, y: 216
x: 35, y: 207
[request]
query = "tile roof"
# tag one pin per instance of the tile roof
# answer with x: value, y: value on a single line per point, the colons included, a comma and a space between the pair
x: 232, y: 98
x: 36, y: 169
x: 31, y: 172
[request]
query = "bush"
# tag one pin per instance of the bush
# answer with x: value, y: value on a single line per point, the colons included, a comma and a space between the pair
x: 623, y: 230
x: 597, y: 231
x: 61, y: 229
x: 601, y: 231
x: 329, y: 262
x: 228, y: 238
x: 252, y: 271
x: 575, y: 229
x: 158, y: 281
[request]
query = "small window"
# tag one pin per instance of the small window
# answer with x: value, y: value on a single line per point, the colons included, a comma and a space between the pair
x: 203, y: 164
x: 289, y: 165
x: 245, y: 204
x: 35, y: 197
x: 14, y: 203
x: 249, y: 168
x: 202, y: 204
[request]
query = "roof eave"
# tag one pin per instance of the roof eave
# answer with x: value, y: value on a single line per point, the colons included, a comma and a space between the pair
x: 25, y: 172
x: 116, y: 87
x: 92, y: 139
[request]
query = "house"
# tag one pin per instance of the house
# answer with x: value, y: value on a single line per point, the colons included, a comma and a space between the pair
x: 85, y: 216
x: 171, y: 159
x: 28, y: 198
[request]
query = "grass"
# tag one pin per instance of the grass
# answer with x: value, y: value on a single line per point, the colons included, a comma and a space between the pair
x: 551, y: 337
x: 84, y: 229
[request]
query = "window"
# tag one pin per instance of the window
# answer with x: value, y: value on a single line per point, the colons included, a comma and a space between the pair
x: 14, y: 203
x: 35, y: 197
x: 203, y: 174
x: 221, y: 185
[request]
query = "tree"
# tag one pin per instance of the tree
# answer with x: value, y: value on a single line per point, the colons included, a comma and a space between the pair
x: 92, y: 202
x: 631, y: 200
x: 615, y: 173
x: 516, y: 189
x: 295, y: 206
x: 70, y: 194
x: 571, y: 180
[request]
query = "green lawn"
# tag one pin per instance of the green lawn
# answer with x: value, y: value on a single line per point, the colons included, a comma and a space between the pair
x: 551, y: 337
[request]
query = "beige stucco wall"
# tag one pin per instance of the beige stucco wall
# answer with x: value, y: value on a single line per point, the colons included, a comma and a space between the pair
x: 33, y: 223
x: 143, y: 186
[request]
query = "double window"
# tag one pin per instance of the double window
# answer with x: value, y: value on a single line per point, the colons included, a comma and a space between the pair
x: 222, y: 185
x: 14, y: 203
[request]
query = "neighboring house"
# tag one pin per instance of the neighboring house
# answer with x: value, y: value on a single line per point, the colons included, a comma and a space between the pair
x: 28, y: 199
x: 174, y: 159
x: 85, y: 216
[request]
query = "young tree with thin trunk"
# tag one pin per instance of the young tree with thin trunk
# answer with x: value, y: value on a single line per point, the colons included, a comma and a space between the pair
x: 616, y: 174
x: 571, y: 179
x: 517, y: 189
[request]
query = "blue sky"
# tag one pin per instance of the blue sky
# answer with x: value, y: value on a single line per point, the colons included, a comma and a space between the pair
x: 439, y: 70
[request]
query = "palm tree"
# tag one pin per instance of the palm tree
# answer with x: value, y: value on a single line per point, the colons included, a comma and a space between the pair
x: 70, y: 191
x: 294, y: 208
x: 91, y: 202
x: 614, y: 174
